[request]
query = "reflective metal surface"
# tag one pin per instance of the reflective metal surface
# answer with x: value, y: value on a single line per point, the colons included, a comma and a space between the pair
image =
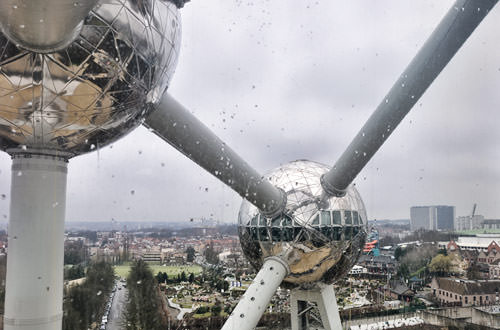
x: 321, y: 240
x: 97, y: 89
x: 43, y: 25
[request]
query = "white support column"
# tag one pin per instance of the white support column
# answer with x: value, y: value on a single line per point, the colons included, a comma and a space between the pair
x: 34, y: 287
x: 324, y: 296
x: 253, y: 304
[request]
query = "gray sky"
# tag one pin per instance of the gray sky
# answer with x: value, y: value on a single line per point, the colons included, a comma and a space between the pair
x: 283, y: 80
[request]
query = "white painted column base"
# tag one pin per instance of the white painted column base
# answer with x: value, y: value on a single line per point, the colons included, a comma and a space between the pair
x: 324, y: 297
x: 35, y: 255
x: 253, y: 303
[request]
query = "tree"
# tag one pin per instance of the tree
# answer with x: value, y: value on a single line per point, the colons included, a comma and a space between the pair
x: 211, y: 255
x: 183, y: 276
x: 403, y: 270
x: 144, y: 305
x: 190, y: 254
x: 191, y: 278
x: 216, y: 309
x: 440, y: 265
x: 398, y: 253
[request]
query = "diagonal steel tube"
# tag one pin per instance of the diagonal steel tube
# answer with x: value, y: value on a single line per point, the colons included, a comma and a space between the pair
x: 177, y: 126
x: 43, y: 25
x: 454, y: 29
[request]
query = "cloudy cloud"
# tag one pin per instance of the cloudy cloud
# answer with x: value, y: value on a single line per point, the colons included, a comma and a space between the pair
x: 284, y: 80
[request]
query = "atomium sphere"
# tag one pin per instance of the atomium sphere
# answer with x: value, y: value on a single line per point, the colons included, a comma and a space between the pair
x: 321, y: 240
x: 97, y: 89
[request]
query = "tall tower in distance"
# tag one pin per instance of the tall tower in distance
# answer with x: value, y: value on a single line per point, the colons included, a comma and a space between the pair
x: 437, y: 217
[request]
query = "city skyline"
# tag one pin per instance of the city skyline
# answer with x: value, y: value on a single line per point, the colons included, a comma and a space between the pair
x: 259, y: 77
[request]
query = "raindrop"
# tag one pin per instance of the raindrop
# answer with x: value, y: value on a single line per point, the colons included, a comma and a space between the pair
x: 99, y: 292
x: 206, y: 189
x: 19, y: 173
x: 132, y: 192
x: 22, y: 26
x: 55, y: 204
x: 162, y: 164
x: 3, y: 196
x: 92, y: 146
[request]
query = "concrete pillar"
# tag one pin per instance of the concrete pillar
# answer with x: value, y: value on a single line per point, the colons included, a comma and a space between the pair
x: 35, y: 257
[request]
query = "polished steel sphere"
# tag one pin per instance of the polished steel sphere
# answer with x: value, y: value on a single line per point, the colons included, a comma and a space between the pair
x: 321, y: 239
x: 98, y: 88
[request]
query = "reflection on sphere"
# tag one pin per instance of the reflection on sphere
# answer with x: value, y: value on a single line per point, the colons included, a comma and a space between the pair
x: 97, y: 89
x: 323, y: 239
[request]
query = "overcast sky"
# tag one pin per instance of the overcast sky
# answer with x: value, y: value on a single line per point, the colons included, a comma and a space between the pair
x: 283, y: 80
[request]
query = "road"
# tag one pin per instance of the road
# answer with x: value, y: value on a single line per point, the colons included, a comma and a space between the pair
x: 117, y: 308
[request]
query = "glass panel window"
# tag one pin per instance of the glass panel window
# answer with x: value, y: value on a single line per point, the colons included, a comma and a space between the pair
x: 337, y: 218
x: 262, y: 221
x: 263, y: 234
x: 326, y: 218
x: 254, y: 220
x: 347, y: 233
x: 316, y: 220
x: 288, y: 234
x: 286, y: 221
x: 348, y: 217
x: 276, y: 234
x: 355, y: 218
x: 337, y: 233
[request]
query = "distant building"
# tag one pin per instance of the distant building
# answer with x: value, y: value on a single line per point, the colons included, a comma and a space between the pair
x: 432, y: 217
x: 457, y: 292
x: 469, y: 223
x: 491, y: 224
x: 151, y: 256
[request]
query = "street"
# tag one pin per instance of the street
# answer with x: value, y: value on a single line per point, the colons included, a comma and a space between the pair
x: 117, y: 308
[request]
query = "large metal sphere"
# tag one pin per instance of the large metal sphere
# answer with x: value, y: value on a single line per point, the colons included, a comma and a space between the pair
x: 321, y: 240
x: 97, y: 89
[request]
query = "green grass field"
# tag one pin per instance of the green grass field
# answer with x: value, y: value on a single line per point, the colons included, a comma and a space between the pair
x: 123, y: 270
x: 480, y: 231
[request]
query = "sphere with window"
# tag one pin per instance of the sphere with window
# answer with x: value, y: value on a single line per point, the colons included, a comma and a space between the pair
x: 322, y: 238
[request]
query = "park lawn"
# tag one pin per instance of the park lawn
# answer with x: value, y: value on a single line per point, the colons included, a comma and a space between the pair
x: 480, y: 231
x: 123, y: 270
